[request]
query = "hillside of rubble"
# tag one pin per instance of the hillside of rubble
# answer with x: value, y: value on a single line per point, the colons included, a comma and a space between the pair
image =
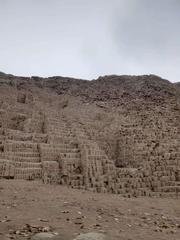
x: 116, y: 134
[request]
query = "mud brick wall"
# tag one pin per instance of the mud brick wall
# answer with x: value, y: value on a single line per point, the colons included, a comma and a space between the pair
x: 122, y: 145
x: 25, y: 158
x: 7, y: 169
x: 51, y: 172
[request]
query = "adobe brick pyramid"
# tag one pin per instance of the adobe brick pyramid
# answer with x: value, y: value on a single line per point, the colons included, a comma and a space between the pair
x: 116, y: 134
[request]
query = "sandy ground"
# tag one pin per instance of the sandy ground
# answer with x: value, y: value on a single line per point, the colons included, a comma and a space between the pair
x: 27, y: 207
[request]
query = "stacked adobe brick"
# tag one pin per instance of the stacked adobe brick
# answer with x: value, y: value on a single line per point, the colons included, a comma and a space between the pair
x: 97, y: 168
x: 60, y: 156
x: 125, y: 148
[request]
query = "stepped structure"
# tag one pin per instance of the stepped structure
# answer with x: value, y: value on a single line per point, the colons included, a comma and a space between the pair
x: 116, y: 134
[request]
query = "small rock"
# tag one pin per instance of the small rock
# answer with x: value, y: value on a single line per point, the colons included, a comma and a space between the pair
x: 172, y: 231
x: 97, y: 225
x: 78, y: 221
x: 65, y: 211
x: 46, y: 229
x: 178, y: 225
x: 43, y: 220
x: 6, y: 219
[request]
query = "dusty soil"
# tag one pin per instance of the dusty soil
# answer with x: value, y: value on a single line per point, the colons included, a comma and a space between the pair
x: 31, y: 205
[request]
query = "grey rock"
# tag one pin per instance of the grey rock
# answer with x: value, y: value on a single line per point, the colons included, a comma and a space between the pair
x: 45, y: 236
x: 92, y: 236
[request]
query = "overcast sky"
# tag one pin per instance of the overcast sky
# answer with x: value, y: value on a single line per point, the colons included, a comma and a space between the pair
x: 89, y: 38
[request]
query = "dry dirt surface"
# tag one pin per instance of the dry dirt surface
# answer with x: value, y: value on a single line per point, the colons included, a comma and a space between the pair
x: 27, y: 207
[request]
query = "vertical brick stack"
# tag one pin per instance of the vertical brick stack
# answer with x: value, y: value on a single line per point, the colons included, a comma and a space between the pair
x: 62, y: 152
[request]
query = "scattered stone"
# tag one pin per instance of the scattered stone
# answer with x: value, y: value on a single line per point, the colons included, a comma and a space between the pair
x: 97, y: 225
x: 172, y: 231
x: 78, y: 220
x: 29, y: 230
x: 65, y: 211
x: 5, y: 219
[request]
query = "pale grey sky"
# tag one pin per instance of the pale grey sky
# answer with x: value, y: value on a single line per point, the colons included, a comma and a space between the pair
x: 89, y: 38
